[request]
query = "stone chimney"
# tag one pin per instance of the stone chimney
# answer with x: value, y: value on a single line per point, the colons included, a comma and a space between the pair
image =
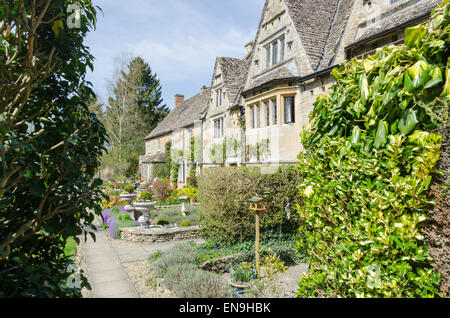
x: 204, y: 89
x: 249, y: 47
x: 178, y: 99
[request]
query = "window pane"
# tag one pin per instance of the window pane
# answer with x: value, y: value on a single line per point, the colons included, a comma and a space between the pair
x: 274, y: 53
x: 267, y: 114
x: 268, y: 56
x: 289, y: 110
x: 252, y: 117
x: 258, y: 116
x: 274, y: 112
x: 282, y: 48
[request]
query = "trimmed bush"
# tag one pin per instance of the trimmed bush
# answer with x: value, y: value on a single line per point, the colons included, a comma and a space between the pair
x: 188, y: 282
x: 162, y: 221
x: 185, y: 223
x: 371, y: 152
x: 223, y: 195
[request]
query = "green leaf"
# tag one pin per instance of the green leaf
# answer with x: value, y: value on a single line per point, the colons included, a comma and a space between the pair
x: 408, y: 122
x: 436, y: 77
x: 364, y: 89
x: 356, y: 135
x: 446, y: 91
x: 414, y: 35
x: 381, y: 135
x: 416, y: 75
x: 57, y: 25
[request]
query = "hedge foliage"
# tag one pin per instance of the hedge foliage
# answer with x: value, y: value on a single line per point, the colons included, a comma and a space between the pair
x: 370, y: 157
x: 223, y: 195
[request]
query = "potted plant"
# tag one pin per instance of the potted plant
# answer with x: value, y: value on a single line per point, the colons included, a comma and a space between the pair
x: 190, y: 192
x: 143, y: 206
x: 242, y: 277
x: 128, y: 196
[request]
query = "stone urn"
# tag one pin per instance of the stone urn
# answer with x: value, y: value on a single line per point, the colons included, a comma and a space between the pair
x: 142, y: 211
x: 183, y: 199
x: 128, y: 198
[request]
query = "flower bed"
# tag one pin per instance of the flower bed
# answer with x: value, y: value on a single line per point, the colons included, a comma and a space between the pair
x: 116, y: 218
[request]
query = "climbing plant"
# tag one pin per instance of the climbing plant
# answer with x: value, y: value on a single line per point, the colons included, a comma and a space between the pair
x: 371, y: 149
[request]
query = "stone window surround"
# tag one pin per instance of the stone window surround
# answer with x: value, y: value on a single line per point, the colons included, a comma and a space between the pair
x: 218, y: 125
x: 275, y: 54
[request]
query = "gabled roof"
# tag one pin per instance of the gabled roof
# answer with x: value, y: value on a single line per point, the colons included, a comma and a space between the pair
x: 184, y: 114
x: 337, y: 30
x: 313, y: 20
x: 234, y: 72
x: 319, y: 25
x: 402, y: 18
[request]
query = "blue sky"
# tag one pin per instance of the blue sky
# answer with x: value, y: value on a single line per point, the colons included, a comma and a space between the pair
x: 180, y: 39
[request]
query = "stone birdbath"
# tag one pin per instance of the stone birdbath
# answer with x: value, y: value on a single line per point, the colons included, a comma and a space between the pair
x: 128, y: 197
x: 142, y: 212
x: 143, y: 207
x: 183, y: 199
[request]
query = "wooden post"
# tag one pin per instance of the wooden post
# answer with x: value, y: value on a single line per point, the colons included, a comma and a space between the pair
x: 257, y: 244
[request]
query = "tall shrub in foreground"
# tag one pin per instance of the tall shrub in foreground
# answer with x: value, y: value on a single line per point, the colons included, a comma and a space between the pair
x: 50, y: 145
x: 371, y: 152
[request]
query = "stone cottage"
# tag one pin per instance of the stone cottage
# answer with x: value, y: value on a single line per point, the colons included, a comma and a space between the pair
x: 258, y: 105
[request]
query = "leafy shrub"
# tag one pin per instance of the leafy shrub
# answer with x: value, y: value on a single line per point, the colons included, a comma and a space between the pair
x: 274, y: 265
x: 173, y: 214
x: 370, y: 156
x: 124, y: 217
x: 190, y: 192
x: 243, y: 273
x: 162, y: 221
x: 176, y: 273
x: 155, y: 256
x: 128, y: 188
x: 192, y: 181
x: 146, y: 196
x: 51, y: 146
x: 161, y: 189
x: 203, y: 254
x: 223, y: 195
x: 180, y: 254
x: 189, y: 283
x: 160, y: 171
x: 185, y: 223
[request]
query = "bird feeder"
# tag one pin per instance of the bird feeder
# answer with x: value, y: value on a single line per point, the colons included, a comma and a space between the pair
x: 258, y: 204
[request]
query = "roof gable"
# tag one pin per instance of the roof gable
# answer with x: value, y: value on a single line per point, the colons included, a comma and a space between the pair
x: 183, y: 115
x: 313, y: 20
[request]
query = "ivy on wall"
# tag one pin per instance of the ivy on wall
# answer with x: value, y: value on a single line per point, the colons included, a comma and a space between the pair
x: 371, y: 153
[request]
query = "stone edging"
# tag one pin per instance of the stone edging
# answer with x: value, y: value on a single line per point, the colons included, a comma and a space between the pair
x: 158, y: 235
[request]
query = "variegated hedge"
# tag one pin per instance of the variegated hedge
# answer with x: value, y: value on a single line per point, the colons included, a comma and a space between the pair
x: 371, y: 153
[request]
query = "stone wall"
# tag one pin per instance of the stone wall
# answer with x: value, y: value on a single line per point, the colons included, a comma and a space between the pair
x: 160, y: 234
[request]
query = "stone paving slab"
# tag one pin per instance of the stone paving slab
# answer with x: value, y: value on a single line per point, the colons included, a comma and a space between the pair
x: 106, y: 274
x: 116, y: 288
